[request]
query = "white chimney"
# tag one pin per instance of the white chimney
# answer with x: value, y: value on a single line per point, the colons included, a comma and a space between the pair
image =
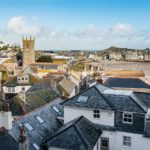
x: 6, y: 119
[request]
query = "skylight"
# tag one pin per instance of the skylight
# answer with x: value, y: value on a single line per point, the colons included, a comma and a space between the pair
x: 28, y: 126
x: 55, y: 109
x: 39, y: 119
x: 36, y: 146
x: 82, y: 99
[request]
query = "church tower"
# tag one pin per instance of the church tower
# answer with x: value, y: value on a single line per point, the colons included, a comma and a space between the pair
x: 28, y: 52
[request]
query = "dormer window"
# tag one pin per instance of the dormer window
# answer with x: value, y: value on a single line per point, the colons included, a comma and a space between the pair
x: 128, y: 118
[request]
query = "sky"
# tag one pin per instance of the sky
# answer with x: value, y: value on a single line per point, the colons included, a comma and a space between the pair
x: 76, y: 24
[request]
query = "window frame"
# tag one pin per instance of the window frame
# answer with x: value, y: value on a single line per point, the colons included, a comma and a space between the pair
x: 96, y: 114
x: 126, y: 141
x: 107, y: 143
x: 28, y: 126
x: 127, y: 122
x: 39, y: 119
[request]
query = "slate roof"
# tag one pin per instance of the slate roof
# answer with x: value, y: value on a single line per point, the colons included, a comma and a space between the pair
x: 79, y: 134
x: 13, y: 81
x: 99, y: 99
x: 126, y: 83
x: 40, y: 130
x: 46, y: 66
x: 95, y: 100
x: 145, y: 97
x: 6, y: 141
x: 123, y: 103
x: 34, y: 100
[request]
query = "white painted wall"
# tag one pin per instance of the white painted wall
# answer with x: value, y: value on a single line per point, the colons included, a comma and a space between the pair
x: 6, y: 120
x: 106, y: 117
x: 18, y: 89
x: 138, y: 142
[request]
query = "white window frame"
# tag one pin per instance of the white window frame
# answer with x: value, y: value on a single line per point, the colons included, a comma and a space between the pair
x: 39, y: 119
x: 36, y: 146
x: 96, y: 114
x: 126, y: 141
x: 128, y: 118
x: 28, y: 126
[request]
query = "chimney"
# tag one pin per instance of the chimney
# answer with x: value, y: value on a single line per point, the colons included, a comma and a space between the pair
x: 23, y: 142
x: 6, y: 117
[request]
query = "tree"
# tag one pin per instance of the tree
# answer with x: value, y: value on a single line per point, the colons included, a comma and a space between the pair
x: 45, y: 59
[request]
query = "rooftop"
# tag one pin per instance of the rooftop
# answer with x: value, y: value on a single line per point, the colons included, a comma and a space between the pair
x: 79, y: 134
x: 126, y: 83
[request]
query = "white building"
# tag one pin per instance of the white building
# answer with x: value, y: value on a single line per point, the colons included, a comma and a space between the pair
x: 122, y: 116
x: 17, y: 84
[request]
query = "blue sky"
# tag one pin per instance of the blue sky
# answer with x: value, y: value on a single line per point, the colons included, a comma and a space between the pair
x: 77, y: 24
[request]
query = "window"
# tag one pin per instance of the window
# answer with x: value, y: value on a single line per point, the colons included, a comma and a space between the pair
x: 23, y: 89
x: 9, y: 89
x: 104, y: 143
x: 39, y: 119
x: 127, y: 118
x: 82, y: 99
x: 126, y: 140
x: 36, y: 146
x: 96, y: 113
x: 13, y: 89
x: 28, y: 126
x: 55, y: 109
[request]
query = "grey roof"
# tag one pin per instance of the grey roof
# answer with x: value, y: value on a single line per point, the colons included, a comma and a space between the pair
x: 79, y: 134
x: 95, y: 100
x: 145, y: 97
x: 38, y: 86
x: 123, y: 103
x: 6, y: 141
x: 40, y: 130
x: 99, y: 99
x: 126, y: 83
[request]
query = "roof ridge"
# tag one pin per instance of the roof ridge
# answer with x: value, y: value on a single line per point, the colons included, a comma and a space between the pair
x: 59, y: 132
x: 78, y: 94
x: 110, y: 105
x: 137, y: 100
x: 80, y: 135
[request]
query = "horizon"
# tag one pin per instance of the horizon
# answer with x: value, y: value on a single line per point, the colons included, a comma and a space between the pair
x: 80, y: 24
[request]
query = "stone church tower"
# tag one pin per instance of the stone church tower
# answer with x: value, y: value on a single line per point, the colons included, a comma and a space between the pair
x: 28, y: 52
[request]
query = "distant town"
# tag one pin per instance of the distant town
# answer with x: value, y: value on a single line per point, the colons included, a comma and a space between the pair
x: 73, y: 99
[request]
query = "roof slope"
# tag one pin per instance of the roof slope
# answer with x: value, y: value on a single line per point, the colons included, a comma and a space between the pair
x: 99, y: 97
x: 40, y: 130
x: 126, y: 83
x: 145, y: 97
x: 79, y: 134
x: 67, y: 85
x: 6, y: 141
x: 95, y: 100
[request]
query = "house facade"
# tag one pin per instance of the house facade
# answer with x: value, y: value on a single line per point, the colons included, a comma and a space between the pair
x: 122, y: 116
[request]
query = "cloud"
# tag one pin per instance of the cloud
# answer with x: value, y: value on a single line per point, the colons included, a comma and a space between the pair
x: 88, y: 37
x: 19, y: 25
x: 121, y: 29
